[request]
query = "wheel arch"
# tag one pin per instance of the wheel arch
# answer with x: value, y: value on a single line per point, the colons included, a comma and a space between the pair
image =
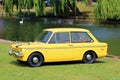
x: 37, y: 52
x: 91, y: 51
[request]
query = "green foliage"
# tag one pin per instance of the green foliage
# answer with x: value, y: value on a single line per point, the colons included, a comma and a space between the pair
x: 63, y: 6
x: 86, y: 1
x: 28, y: 4
x: 109, y: 9
x: 20, y: 5
x: 8, y: 6
x: 39, y: 7
x: 53, y: 3
x: 59, y: 6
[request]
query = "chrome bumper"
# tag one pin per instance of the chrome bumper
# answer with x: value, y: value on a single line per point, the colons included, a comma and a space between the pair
x: 16, y: 53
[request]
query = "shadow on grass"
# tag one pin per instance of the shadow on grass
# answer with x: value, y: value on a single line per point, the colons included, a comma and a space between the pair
x: 19, y: 64
x: 24, y: 64
x: 69, y: 63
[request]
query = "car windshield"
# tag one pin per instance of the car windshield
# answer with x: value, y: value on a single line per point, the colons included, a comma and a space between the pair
x: 44, y: 36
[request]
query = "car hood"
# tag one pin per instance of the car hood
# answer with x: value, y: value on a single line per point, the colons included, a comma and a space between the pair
x: 27, y: 45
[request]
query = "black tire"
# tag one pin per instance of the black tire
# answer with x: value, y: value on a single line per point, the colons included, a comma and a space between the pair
x: 35, y: 60
x: 89, y: 57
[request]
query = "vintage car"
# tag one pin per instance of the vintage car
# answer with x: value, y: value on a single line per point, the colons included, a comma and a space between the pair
x: 60, y: 44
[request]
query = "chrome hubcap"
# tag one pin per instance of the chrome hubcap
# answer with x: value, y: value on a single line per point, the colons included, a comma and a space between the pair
x: 88, y: 57
x: 35, y: 60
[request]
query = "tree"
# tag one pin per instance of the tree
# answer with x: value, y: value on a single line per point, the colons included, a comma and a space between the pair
x: 8, y: 6
x: 59, y: 6
x: 107, y: 9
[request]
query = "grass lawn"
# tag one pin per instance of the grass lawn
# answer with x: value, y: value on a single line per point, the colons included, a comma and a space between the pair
x: 102, y: 69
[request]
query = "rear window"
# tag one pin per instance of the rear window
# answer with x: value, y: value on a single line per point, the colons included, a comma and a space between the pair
x: 81, y: 37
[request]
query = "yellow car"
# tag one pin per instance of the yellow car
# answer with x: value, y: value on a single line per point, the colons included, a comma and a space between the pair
x: 60, y: 44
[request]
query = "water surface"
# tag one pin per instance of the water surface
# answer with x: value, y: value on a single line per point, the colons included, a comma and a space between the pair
x: 11, y: 29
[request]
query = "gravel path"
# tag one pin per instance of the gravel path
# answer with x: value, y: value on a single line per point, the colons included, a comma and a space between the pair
x: 2, y: 40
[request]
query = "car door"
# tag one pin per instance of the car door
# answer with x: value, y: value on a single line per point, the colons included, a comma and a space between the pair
x: 81, y: 42
x: 59, y: 47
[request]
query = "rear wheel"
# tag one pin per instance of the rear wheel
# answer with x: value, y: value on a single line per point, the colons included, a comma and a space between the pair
x: 89, y: 57
x: 35, y: 60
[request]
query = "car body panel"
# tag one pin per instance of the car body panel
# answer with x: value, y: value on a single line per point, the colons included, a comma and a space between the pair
x: 54, y: 52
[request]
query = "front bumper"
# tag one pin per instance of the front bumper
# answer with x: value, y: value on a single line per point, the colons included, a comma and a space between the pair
x: 15, y: 53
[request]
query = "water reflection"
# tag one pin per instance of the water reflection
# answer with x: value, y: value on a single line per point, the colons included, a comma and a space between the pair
x: 11, y: 29
x: 31, y: 28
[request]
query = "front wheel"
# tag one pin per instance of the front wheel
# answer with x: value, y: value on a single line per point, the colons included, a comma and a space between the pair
x: 89, y: 57
x: 35, y: 60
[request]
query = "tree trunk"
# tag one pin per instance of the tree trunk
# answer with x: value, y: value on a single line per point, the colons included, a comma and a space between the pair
x: 75, y: 10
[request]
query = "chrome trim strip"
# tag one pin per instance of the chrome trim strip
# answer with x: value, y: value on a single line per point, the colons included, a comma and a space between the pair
x: 68, y: 47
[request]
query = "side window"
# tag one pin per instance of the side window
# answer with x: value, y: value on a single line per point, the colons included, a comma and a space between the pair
x: 44, y: 36
x: 60, y: 38
x: 80, y: 37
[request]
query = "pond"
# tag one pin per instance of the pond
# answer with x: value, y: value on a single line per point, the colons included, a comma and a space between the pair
x: 11, y: 29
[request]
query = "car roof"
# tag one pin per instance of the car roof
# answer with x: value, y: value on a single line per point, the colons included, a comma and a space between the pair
x: 66, y: 29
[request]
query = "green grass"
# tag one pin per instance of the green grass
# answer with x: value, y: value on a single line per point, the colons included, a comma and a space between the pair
x: 102, y: 69
x: 85, y: 8
x: 113, y: 47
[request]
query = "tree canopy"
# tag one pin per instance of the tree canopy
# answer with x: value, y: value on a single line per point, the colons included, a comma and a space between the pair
x: 59, y: 6
x: 107, y: 9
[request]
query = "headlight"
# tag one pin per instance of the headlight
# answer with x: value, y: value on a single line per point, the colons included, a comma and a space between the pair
x: 10, y: 52
x: 17, y: 53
